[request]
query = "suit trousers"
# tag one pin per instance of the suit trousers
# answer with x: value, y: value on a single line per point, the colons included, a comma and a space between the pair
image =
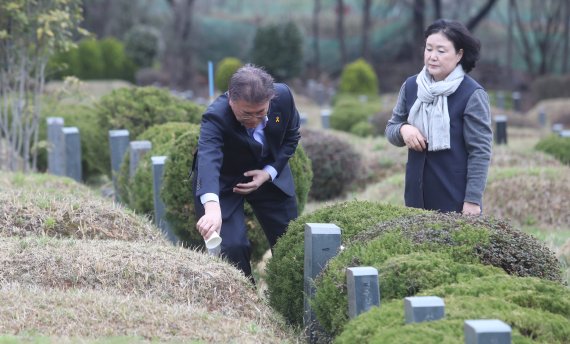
x: 273, y: 209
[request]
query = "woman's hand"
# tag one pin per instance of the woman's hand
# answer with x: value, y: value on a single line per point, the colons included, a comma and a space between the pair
x: 413, y: 138
x: 259, y: 177
x: 471, y: 209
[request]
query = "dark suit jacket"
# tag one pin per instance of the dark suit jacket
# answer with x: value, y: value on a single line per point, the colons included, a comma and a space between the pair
x: 226, y: 151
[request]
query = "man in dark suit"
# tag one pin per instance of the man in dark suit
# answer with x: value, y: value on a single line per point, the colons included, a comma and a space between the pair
x: 247, y: 136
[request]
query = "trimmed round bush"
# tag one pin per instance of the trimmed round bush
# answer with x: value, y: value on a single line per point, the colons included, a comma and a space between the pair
x: 428, y: 250
x: 348, y: 111
x: 89, y: 64
x: 285, y: 269
x: 557, y: 146
x: 537, y: 310
x: 177, y: 194
x: 226, y: 68
x: 142, y: 44
x: 114, y: 58
x: 358, y: 77
x: 334, y: 164
x: 136, y: 109
x: 137, y: 192
x: 362, y: 129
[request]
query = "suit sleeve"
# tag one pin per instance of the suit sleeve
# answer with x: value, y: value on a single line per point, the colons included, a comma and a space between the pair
x: 210, y: 155
x: 291, y: 136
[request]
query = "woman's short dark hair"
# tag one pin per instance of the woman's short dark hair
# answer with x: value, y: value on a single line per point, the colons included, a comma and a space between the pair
x: 251, y: 84
x: 461, y: 38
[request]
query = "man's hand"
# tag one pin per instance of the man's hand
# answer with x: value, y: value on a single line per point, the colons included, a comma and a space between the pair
x: 471, y: 209
x: 413, y: 138
x: 259, y: 177
x: 211, y: 221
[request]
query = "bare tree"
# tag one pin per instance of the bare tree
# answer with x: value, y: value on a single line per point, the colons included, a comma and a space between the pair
x: 566, y: 36
x: 538, y: 36
x: 419, y: 26
x: 317, y: 55
x: 366, y: 25
x: 340, y: 31
x: 178, y: 55
x: 480, y: 15
x: 437, y: 9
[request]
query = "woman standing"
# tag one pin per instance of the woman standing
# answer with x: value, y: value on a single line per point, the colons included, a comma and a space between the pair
x: 443, y: 117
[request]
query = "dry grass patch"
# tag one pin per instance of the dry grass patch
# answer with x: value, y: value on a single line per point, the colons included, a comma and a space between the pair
x: 172, y: 274
x: 96, y: 314
x: 529, y: 196
x: 26, y: 212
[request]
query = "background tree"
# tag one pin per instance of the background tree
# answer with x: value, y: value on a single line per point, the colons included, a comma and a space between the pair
x: 179, y: 56
x: 30, y: 32
x: 539, y: 39
x: 278, y: 48
x: 366, y: 25
x: 340, y: 12
x: 315, y: 26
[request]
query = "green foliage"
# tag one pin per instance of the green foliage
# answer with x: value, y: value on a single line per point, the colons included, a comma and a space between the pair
x: 349, y: 111
x: 113, y: 58
x: 557, y: 146
x: 136, y: 109
x: 278, y: 48
x: 537, y: 310
x: 334, y: 164
x: 429, y: 250
x: 285, y: 269
x: 141, y: 45
x: 137, y: 192
x: 90, y: 64
x: 177, y: 194
x: 93, y: 59
x: 226, y: 68
x: 358, y: 78
x: 74, y: 115
x: 362, y: 129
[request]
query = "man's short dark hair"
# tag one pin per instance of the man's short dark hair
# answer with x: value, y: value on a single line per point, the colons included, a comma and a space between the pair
x: 251, y: 84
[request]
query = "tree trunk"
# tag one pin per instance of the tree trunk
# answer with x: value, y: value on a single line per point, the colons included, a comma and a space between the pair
x: 366, y: 25
x: 179, y: 54
x: 510, y: 43
x: 317, y: 57
x: 340, y: 31
x: 419, y: 26
x: 437, y: 9
x: 566, y: 37
x: 483, y: 12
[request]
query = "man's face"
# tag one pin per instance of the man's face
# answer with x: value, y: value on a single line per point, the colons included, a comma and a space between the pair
x: 248, y: 114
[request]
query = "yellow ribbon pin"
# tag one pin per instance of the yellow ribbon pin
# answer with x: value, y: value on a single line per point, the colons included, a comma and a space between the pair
x: 277, y: 119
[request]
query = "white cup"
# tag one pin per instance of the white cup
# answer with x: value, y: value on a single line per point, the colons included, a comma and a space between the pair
x: 213, y: 241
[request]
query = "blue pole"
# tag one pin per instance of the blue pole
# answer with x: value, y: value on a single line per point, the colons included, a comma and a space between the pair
x: 211, y: 79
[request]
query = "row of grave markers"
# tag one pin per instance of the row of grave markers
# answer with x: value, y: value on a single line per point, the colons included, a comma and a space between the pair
x: 323, y: 242
x: 64, y: 159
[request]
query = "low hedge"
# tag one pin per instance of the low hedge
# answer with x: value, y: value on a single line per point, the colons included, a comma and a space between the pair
x: 349, y: 111
x: 557, y: 146
x: 137, y: 109
x: 285, y: 269
x: 137, y: 192
x: 537, y: 310
x: 177, y: 194
x: 428, y: 250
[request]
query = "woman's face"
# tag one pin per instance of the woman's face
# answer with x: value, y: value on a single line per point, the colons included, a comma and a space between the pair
x: 440, y: 56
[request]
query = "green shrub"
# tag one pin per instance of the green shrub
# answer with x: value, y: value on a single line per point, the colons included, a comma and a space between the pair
x: 285, y: 269
x: 114, y: 58
x: 537, y: 310
x: 358, y: 77
x: 90, y: 63
x: 349, y: 110
x: 226, y: 68
x: 362, y: 129
x: 74, y: 115
x: 334, y: 164
x: 177, y: 194
x: 136, y: 109
x: 137, y: 192
x: 557, y: 146
x: 279, y: 49
x: 426, y: 251
x: 141, y: 45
